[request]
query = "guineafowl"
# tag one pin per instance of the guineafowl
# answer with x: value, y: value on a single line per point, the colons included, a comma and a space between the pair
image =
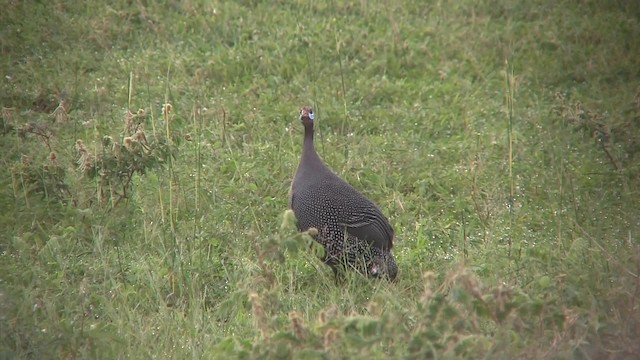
x: 352, y: 229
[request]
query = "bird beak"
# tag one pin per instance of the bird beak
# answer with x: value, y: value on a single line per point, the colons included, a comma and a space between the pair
x: 303, y: 113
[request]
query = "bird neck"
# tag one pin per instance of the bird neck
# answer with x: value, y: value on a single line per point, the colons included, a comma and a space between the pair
x: 308, y: 149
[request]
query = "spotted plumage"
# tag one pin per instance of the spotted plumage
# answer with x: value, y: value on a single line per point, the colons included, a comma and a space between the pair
x: 351, y: 228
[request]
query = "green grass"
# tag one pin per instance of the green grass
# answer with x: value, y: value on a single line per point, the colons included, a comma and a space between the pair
x: 501, y: 138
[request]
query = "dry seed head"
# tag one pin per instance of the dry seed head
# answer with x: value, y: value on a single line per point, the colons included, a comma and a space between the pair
x: 128, y: 120
x: 115, y: 147
x: 52, y: 156
x: 501, y: 295
x: 166, y: 108
x: 329, y: 337
x: 327, y: 314
x: 374, y: 308
x: 258, y: 313
x: 7, y: 113
x: 84, y: 162
x: 296, y: 325
x: 256, y: 307
x: 26, y: 161
x: 428, y: 278
x: 141, y: 113
x: 107, y: 140
x: 128, y: 142
x: 139, y: 135
x: 288, y: 219
x: 312, y: 231
x: 80, y: 146
x: 467, y: 280
x: 60, y: 113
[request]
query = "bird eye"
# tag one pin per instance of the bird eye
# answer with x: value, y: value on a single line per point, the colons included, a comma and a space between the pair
x: 311, y: 116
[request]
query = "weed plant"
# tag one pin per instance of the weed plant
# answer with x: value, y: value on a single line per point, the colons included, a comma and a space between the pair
x: 148, y: 148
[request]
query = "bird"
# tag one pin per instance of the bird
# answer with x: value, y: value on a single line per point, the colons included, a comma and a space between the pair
x: 351, y: 228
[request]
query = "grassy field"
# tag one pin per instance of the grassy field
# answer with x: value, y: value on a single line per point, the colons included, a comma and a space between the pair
x: 148, y: 149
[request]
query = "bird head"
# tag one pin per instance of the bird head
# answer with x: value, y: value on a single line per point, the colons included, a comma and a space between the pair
x: 384, y: 266
x: 306, y: 114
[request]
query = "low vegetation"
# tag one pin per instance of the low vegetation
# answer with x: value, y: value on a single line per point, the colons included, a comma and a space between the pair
x: 148, y: 149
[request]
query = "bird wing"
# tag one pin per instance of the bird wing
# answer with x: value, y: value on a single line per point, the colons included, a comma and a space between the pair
x: 360, y: 217
x: 372, y: 227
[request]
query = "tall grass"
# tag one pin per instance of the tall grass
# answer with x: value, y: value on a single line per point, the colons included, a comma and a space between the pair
x: 149, y: 149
